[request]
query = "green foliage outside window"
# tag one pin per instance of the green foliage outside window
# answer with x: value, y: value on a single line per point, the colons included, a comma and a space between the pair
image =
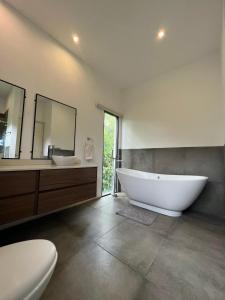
x: 109, y: 140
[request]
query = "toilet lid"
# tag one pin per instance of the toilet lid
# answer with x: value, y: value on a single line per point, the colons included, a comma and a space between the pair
x: 23, y: 265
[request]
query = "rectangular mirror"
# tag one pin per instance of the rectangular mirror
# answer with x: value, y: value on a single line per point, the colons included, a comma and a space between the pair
x: 54, y: 128
x: 12, y: 100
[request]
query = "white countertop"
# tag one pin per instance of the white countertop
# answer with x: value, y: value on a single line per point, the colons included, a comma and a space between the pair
x: 43, y: 167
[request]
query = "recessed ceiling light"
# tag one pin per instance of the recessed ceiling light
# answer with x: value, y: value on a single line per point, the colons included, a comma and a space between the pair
x: 76, y: 39
x: 161, y: 34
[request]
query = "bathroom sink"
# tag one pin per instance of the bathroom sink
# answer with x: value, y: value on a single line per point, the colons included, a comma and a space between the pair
x: 65, y: 160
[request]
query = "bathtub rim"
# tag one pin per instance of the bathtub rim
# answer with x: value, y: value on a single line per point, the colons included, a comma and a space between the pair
x: 159, y: 176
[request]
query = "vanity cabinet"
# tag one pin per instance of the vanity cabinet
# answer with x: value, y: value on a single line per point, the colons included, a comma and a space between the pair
x: 16, y: 208
x: 59, y: 188
x: 17, y: 183
x: 52, y: 200
x: 17, y: 195
x: 62, y: 178
x: 25, y: 194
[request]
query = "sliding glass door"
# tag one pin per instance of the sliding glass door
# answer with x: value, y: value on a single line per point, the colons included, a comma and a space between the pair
x: 110, y: 153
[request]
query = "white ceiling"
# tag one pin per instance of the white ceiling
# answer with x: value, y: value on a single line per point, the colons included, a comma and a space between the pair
x: 118, y: 37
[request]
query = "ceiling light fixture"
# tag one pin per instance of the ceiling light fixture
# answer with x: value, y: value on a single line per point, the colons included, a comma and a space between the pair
x: 161, y: 34
x: 76, y: 39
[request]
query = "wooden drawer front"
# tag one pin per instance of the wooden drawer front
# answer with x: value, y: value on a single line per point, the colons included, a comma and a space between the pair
x: 16, y: 208
x: 17, y: 183
x: 54, y: 179
x: 49, y: 201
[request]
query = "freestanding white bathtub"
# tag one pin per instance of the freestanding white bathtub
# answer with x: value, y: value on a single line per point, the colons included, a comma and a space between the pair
x: 165, y: 194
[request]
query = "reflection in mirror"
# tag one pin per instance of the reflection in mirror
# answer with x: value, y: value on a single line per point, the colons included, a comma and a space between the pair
x: 54, y: 129
x: 11, y: 118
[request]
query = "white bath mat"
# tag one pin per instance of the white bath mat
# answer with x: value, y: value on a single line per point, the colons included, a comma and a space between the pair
x: 138, y: 214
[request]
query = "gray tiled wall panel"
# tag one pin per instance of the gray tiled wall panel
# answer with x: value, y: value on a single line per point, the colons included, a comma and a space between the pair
x: 206, y: 161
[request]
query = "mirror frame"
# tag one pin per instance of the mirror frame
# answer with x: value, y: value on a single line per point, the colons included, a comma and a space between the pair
x: 22, y: 118
x: 35, y: 112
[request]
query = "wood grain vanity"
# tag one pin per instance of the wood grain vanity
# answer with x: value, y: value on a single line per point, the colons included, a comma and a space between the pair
x: 28, y: 193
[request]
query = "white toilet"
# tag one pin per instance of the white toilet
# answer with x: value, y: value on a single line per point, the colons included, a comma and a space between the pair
x: 26, y: 268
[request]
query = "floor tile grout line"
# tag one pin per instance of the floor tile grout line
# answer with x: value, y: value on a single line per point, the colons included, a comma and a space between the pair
x: 96, y: 237
x: 165, y: 240
x: 101, y: 206
x: 122, y: 261
x: 116, y: 225
x: 101, y: 209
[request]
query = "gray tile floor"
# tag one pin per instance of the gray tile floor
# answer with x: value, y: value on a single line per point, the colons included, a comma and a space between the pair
x: 103, y: 256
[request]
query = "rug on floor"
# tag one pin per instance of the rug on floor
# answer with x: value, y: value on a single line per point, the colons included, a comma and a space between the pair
x: 138, y: 214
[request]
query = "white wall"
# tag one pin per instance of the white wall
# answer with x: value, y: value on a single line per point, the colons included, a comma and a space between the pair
x: 223, y: 62
x: 59, y: 124
x: 62, y: 127
x: 2, y: 105
x: 182, y: 108
x: 43, y: 115
x: 14, y: 106
x: 31, y: 59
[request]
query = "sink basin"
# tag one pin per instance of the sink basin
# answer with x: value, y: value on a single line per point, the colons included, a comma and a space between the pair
x: 65, y: 160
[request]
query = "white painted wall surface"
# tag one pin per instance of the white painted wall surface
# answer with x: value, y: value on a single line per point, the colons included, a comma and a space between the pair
x: 44, y: 115
x: 182, y: 108
x: 58, y: 123
x: 2, y: 105
x: 62, y: 126
x: 223, y: 62
x: 33, y: 60
x: 14, y: 106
